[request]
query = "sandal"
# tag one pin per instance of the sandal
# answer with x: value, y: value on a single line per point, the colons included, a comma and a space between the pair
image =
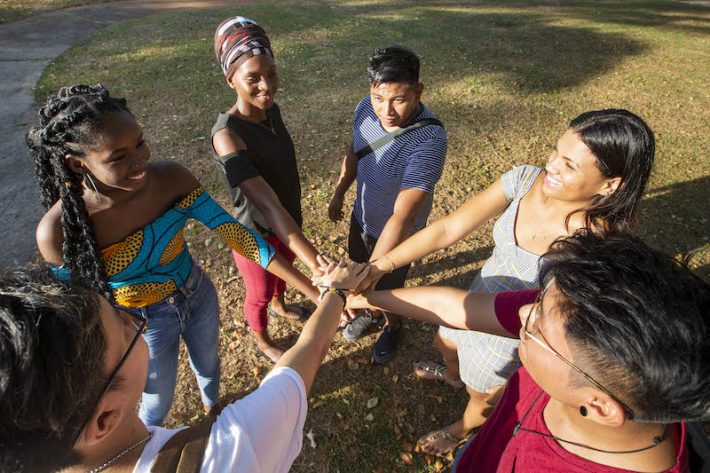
x: 433, y: 370
x: 442, y: 438
x: 303, y: 312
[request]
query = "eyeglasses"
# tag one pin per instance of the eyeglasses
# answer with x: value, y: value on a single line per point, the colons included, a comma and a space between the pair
x: 139, y: 322
x: 536, y: 309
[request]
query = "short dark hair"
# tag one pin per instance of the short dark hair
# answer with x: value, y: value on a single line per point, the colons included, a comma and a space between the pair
x: 393, y: 64
x: 52, y: 351
x: 637, y: 320
x: 624, y: 146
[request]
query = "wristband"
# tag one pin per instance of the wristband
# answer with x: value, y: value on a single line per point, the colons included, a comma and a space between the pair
x: 326, y: 289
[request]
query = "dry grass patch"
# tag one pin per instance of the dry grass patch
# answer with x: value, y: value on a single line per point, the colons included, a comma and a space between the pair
x: 505, y: 78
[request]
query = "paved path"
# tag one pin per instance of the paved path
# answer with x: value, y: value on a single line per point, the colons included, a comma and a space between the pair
x: 26, y: 48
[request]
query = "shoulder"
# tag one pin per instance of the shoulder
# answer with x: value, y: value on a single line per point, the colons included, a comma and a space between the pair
x: 173, y: 178
x: 364, y: 107
x: 225, y: 141
x: 50, y: 236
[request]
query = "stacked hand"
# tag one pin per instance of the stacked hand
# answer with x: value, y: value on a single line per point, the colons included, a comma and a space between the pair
x: 348, y: 276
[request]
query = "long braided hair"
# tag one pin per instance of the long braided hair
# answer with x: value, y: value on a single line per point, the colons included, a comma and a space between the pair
x: 70, y: 123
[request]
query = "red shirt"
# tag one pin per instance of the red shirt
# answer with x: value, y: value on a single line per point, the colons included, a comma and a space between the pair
x: 495, y: 449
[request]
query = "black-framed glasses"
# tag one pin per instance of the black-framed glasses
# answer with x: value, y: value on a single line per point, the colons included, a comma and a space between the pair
x: 536, y: 309
x: 138, y: 322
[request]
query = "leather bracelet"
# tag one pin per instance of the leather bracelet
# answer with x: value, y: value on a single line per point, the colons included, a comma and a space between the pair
x: 340, y: 292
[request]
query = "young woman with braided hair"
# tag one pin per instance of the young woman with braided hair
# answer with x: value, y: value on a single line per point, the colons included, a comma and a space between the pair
x: 115, y: 222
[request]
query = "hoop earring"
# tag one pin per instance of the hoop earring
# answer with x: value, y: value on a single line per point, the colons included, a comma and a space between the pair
x: 92, y: 184
x: 583, y: 411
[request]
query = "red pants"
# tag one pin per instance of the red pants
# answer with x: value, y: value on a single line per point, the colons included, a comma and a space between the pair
x: 261, y: 286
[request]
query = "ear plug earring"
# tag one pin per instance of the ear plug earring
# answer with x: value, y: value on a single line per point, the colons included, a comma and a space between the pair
x: 583, y: 411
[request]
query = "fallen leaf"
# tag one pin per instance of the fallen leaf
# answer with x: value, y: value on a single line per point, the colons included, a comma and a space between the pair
x: 369, y: 417
x: 395, y: 378
x: 372, y: 402
x: 420, y: 409
x: 312, y: 437
x: 406, y: 457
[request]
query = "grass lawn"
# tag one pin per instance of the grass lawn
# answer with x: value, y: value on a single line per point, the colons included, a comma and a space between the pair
x: 505, y: 78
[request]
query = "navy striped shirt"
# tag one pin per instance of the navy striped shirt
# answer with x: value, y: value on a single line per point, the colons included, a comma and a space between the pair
x: 414, y: 160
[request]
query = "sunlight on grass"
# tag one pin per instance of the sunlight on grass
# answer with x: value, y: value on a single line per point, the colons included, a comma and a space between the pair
x: 505, y: 81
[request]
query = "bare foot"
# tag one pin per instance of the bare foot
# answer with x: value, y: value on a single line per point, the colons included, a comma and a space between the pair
x: 267, y: 347
x: 271, y: 352
x: 292, y: 312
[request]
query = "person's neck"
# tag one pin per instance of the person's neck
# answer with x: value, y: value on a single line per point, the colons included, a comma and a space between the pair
x: 130, y: 431
x: 565, y: 422
x: 560, y: 209
x: 248, y: 111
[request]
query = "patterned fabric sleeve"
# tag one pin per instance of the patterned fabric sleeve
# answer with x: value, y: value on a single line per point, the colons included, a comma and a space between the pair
x: 199, y: 205
x: 515, y: 181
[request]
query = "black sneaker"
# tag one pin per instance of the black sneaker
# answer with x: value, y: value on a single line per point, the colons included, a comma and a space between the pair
x: 386, y: 346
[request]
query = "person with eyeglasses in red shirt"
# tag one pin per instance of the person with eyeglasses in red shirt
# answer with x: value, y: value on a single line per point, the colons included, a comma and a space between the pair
x: 614, y: 352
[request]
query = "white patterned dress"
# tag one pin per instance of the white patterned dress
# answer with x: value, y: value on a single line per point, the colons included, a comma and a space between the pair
x: 486, y: 361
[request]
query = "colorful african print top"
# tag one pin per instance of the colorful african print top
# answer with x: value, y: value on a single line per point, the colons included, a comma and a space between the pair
x: 152, y: 263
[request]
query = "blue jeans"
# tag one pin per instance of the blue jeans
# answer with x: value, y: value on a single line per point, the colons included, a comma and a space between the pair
x: 193, y: 313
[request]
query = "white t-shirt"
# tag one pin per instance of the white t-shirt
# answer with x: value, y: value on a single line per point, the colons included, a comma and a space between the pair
x: 262, y: 432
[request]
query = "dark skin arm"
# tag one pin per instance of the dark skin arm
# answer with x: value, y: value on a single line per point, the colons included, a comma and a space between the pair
x: 258, y: 191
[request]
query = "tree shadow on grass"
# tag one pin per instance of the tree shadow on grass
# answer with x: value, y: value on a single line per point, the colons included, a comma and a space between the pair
x: 674, y: 218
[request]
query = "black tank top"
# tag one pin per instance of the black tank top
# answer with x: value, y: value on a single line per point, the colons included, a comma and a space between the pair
x: 272, y: 154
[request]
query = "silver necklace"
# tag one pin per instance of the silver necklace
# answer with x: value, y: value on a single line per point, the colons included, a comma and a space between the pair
x: 120, y: 455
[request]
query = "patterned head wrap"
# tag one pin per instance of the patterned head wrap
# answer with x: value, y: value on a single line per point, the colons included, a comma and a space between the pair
x: 238, y: 39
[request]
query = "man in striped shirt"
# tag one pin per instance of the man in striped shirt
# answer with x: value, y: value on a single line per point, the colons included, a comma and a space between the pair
x: 395, y: 182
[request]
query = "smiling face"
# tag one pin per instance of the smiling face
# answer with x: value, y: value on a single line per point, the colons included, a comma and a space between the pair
x: 118, y: 159
x: 256, y: 82
x: 573, y: 173
x: 395, y: 103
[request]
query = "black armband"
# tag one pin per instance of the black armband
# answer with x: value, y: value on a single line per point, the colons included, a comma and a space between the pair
x: 237, y: 167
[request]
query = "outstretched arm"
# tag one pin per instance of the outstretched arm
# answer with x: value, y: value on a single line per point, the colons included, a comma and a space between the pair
x: 441, y: 234
x: 316, y: 337
x: 258, y: 191
x: 446, y: 306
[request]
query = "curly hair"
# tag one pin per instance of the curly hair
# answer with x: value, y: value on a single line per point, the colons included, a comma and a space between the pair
x: 52, y: 352
x: 69, y: 124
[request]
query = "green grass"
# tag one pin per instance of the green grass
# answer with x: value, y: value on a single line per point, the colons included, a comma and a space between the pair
x: 13, y: 10
x: 505, y: 78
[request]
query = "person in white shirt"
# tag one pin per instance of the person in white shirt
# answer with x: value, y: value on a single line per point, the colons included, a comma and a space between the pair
x: 72, y: 369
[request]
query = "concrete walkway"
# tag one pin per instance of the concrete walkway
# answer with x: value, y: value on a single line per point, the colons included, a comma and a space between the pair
x: 26, y: 48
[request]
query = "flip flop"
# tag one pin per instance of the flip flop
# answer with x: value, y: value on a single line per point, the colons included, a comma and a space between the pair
x: 444, y: 438
x: 303, y: 312
x: 435, y: 371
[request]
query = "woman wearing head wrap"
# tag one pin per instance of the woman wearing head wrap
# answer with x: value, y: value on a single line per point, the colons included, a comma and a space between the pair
x: 257, y: 158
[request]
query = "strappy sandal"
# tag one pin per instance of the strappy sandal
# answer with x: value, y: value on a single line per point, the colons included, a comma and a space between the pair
x: 435, y: 371
x: 444, y: 438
